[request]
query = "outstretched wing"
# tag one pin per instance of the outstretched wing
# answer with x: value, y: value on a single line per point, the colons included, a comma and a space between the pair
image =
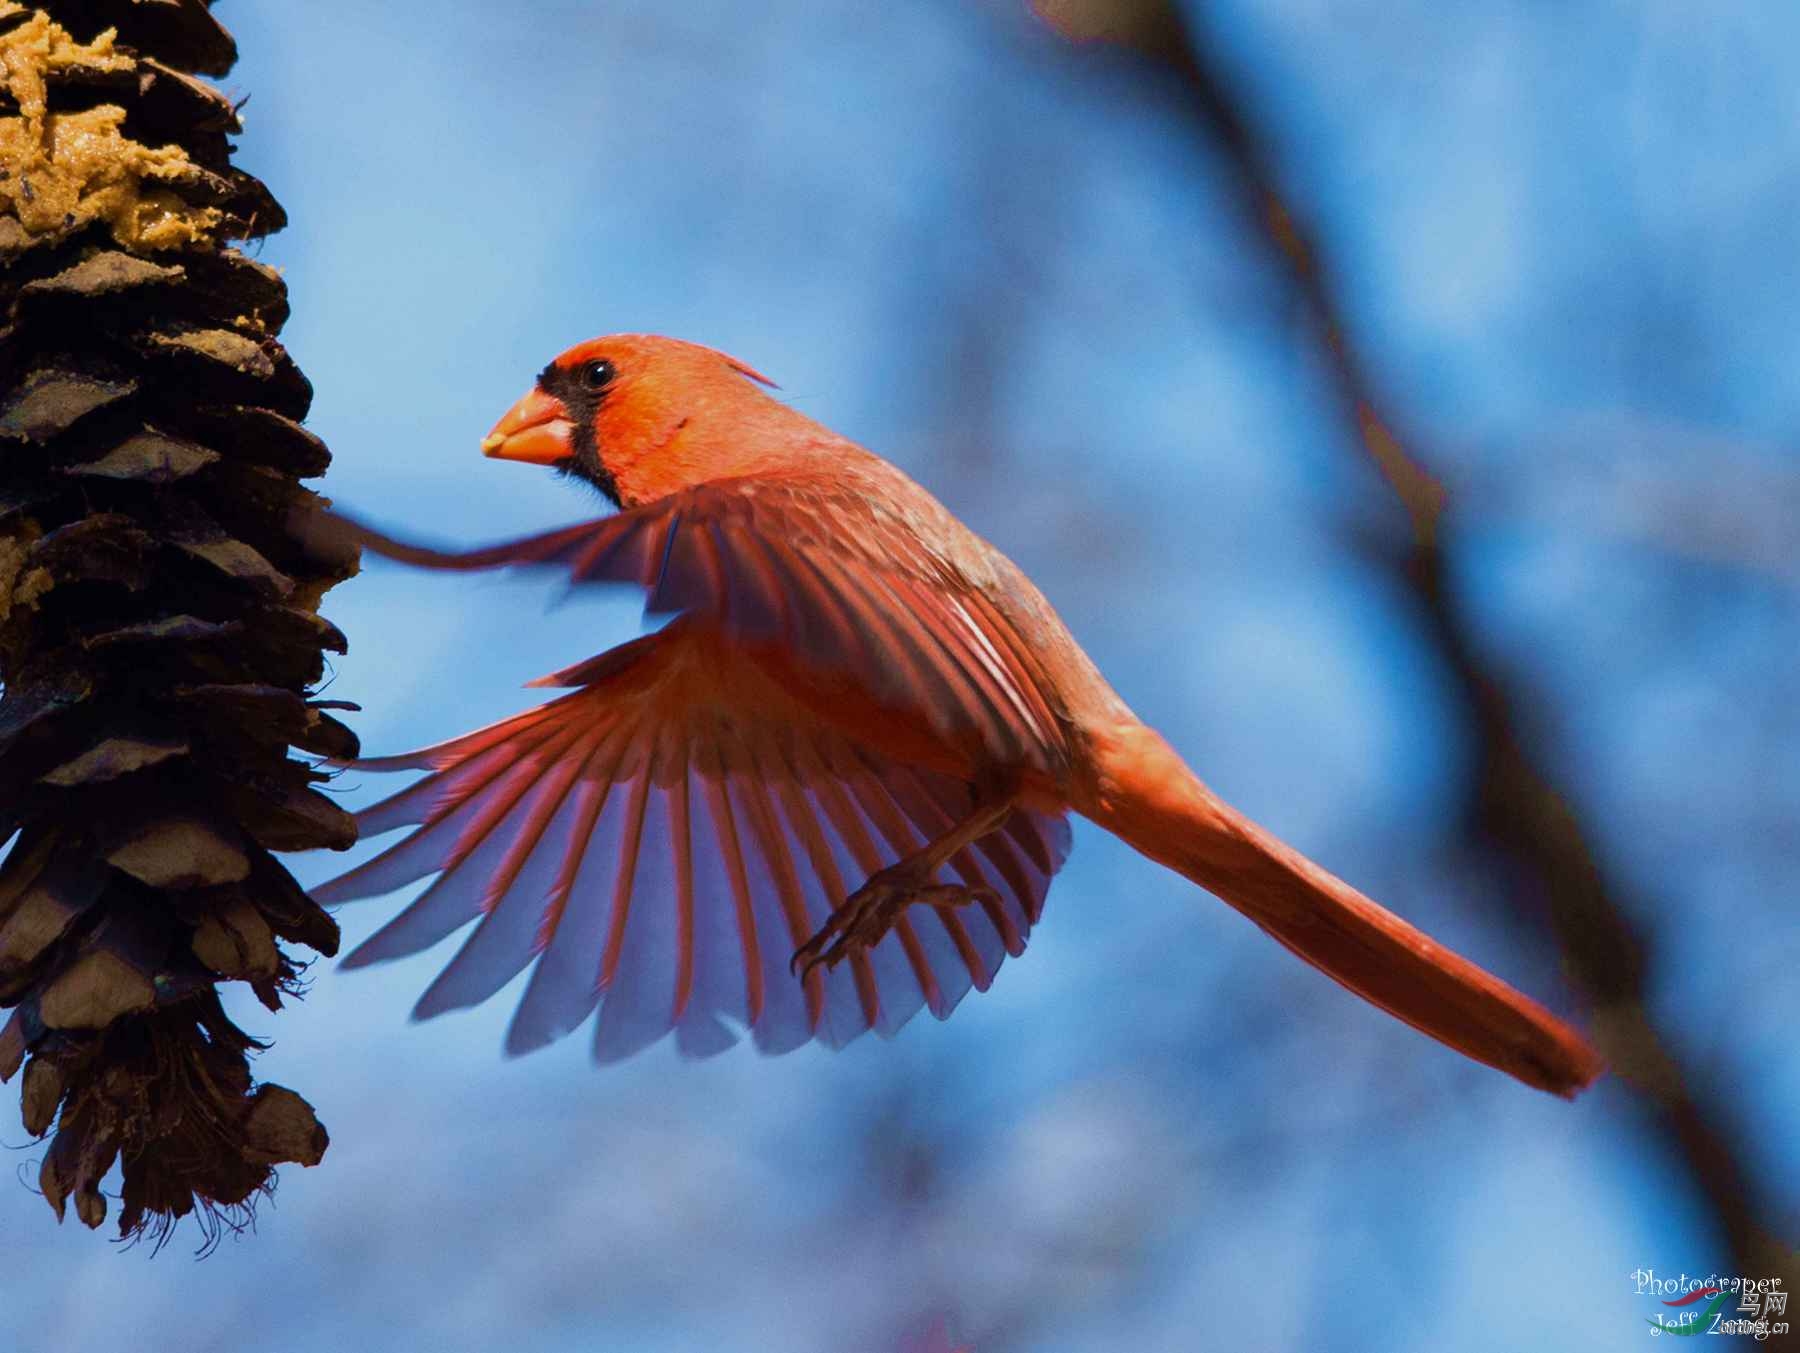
x: 842, y: 587
x: 650, y: 847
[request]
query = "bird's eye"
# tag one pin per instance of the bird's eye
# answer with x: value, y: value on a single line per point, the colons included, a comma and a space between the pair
x: 597, y: 375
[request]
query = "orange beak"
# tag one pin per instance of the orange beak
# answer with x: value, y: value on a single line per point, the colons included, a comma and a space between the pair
x: 536, y: 430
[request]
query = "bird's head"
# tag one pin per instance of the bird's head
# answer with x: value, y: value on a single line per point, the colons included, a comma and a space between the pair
x: 638, y: 416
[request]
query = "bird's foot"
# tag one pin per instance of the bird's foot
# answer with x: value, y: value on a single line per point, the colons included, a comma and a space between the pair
x: 871, y: 911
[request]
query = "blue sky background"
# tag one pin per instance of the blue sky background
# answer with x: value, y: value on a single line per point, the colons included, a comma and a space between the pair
x: 1564, y: 237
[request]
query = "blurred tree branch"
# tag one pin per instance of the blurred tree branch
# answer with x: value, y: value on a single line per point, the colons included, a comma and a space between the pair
x: 1517, y: 808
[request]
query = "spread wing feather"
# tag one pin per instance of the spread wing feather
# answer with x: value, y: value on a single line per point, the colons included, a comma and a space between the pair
x: 662, y: 860
x: 834, y: 584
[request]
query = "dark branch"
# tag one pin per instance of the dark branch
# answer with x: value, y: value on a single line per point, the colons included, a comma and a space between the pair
x: 1517, y: 808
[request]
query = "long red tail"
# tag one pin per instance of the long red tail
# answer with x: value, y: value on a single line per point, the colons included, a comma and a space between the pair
x: 1148, y: 797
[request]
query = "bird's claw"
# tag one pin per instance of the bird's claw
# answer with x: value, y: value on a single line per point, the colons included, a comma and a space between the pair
x: 871, y: 911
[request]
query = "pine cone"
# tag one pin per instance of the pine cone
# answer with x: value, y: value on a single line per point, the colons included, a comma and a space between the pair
x: 159, y: 632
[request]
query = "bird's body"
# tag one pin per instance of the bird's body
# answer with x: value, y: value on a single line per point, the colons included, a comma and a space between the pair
x: 854, y: 687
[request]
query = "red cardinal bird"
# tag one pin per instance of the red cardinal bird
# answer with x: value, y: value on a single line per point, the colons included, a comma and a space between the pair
x: 835, y: 786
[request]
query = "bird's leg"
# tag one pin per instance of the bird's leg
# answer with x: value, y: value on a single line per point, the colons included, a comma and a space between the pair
x: 870, y: 912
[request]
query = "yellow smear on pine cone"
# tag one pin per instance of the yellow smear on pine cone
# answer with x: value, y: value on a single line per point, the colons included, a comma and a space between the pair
x: 64, y: 170
x: 20, y: 587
